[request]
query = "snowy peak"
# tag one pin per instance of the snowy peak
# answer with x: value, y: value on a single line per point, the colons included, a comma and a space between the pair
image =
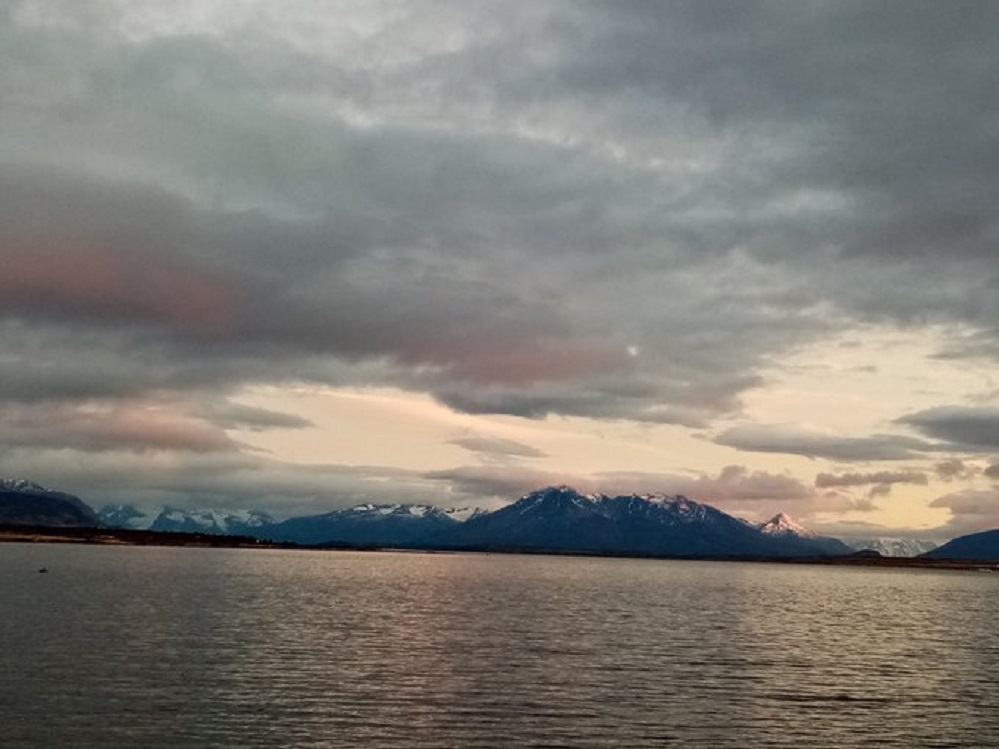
x: 555, y: 499
x: 405, y: 511
x: 373, y: 510
x: 679, y: 507
x: 893, y: 547
x: 559, y: 517
x: 463, y: 514
x: 378, y: 524
x: 23, y: 486
x: 783, y: 524
x: 216, y: 521
x: 123, y: 516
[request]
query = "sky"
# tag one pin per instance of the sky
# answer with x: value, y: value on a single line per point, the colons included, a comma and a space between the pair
x: 300, y: 256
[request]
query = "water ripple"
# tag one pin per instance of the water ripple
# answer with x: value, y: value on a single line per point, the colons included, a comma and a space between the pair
x: 220, y: 648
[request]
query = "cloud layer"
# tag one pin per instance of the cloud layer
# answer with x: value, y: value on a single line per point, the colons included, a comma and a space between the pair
x: 627, y: 212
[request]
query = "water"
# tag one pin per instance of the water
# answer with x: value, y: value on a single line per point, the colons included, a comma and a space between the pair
x: 150, y: 647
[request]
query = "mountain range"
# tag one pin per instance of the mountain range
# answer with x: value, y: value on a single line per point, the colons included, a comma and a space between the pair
x: 176, y: 520
x: 560, y: 518
x: 892, y: 547
x: 556, y: 518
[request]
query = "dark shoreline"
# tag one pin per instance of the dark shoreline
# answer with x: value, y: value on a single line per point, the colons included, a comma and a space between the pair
x: 127, y: 537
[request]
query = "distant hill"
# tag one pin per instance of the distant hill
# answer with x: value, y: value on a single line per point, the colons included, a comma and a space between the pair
x: 376, y: 524
x: 983, y: 546
x: 556, y: 518
x: 26, y: 503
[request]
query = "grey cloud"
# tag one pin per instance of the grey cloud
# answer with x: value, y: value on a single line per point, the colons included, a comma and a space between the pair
x: 228, y: 480
x: 497, y: 447
x: 118, y: 425
x: 333, y: 302
x: 977, y: 344
x: 231, y: 415
x: 992, y: 471
x: 965, y: 427
x: 794, y: 440
x: 494, y: 217
x: 879, y: 490
x: 826, y: 480
x: 971, y: 510
x: 952, y: 469
x: 498, y: 483
x: 732, y: 484
x: 862, y: 529
x: 866, y: 504
x: 735, y: 488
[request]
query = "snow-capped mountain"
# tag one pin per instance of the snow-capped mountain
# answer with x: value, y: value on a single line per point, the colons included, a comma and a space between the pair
x: 218, y: 521
x: 892, y: 547
x: 27, y: 503
x: 174, y: 519
x: 799, y: 539
x: 124, y: 516
x: 783, y: 524
x: 555, y: 518
x: 23, y: 486
x: 560, y: 518
x: 380, y: 524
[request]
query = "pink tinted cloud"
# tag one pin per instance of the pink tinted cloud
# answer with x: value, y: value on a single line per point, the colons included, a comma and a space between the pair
x: 100, y: 426
x: 102, y: 283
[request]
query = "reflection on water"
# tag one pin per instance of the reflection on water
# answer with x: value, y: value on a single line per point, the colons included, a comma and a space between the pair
x: 201, y: 648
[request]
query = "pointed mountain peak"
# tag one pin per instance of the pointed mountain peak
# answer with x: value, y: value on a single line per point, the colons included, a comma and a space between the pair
x: 555, y: 499
x: 783, y: 524
x: 555, y: 492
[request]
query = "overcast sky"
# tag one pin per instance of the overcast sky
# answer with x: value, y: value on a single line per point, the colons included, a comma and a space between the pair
x: 296, y: 256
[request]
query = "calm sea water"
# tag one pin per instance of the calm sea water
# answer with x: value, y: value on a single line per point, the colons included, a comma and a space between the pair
x: 149, y: 647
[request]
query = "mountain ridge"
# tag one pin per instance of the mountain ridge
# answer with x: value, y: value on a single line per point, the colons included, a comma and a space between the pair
x: 554, y: 517
x: 983, y: 545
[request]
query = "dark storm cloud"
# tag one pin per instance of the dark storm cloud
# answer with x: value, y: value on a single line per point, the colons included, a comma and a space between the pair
x: 616, y: 210
x: 795, y: 440
x: 965, y: 427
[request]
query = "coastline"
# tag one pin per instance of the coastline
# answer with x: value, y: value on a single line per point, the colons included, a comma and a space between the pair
x: 129, y: 537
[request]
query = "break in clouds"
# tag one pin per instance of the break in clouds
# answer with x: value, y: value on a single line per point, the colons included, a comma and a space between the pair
x: 625, y: 211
